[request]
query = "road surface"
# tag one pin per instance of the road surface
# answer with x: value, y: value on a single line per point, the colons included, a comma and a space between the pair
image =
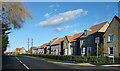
x: 36, y: 63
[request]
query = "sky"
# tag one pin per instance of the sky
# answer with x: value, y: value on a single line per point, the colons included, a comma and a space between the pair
x: 57, y: 19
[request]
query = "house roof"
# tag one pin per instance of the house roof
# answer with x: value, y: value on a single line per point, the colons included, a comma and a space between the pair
x: 18, y: 49
x: 95, y: 29
x: 32, y: 48
x: 55, y: 39
x: 44, y: 45
x: 48, y: 44
x: 58, y: 41
x: 74, y: 37
x: 117, y: 16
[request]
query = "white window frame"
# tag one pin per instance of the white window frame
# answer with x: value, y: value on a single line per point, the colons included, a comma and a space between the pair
x: 109, y: 38
x: 110, y: 50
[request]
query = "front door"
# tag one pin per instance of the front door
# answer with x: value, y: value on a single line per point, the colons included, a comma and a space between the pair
x: 88, y: 51
x: 65, y: 51
x: 71, y: 51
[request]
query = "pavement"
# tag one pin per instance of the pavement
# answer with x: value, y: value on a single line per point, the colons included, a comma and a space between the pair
x: 37, y: 63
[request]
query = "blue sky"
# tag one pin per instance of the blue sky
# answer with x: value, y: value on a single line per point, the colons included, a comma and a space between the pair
x: 57, y: 19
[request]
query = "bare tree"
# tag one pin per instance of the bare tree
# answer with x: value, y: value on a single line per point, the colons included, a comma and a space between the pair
x: 14, y: 14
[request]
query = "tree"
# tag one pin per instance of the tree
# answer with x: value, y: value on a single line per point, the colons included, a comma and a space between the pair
x: 100, y: 49
x: 13, y: 15
x: 4, y: 41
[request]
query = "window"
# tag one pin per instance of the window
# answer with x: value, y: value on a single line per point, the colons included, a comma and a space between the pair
x: 111, y: 50
x: 83, y: 42
x: 65, y: 44
x: 110, y: 38
x: 57, y: 45
x: 86, y: 31
x: 74, y: 43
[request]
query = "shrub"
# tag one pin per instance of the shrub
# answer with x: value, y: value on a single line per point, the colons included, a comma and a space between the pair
x: 86, y: 59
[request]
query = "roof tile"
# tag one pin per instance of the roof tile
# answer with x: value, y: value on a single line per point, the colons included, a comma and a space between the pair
x: 95, y: 29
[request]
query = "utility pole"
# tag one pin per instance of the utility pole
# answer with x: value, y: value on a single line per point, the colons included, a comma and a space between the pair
x: 28, y: 45
x: 31, y: 42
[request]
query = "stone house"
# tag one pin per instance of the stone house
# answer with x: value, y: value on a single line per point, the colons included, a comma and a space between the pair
x: 112, y: 37
x: 56, y: 46
x: 20, y: 50
x: 87, y: 41
x: 70, y: 44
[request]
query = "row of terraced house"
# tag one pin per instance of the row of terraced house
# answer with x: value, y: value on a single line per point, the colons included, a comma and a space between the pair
x: 83, y: 43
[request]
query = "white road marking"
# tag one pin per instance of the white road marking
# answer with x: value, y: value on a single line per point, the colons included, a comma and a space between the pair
x: 22, y: 63
x: 17, y: 58
x: 25, y: 66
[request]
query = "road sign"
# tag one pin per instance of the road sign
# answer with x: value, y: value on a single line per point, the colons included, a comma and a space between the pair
x: 97, y: 39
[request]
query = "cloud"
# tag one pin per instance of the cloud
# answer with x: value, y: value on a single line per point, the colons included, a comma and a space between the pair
x: 61, y: 18
x: 85, y: 13
x: 46, y: 15
x: 97, y: 17
x: 56, y: 5
x: 75, y: 31
x: 51, y: 6
x: 55, y: 10
x: 66, y: 27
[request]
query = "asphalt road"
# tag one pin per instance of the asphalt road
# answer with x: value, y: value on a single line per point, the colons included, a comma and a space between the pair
x: 37, y: 63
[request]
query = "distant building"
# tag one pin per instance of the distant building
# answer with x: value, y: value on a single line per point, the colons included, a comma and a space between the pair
x: 20, y: 50
x: 32, y: 50
x: 112, y: 37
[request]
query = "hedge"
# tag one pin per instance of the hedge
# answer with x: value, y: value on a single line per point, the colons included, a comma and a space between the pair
x: 76, y: 58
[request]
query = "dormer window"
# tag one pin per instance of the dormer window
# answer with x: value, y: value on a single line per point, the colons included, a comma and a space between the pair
x: 86, y: 31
